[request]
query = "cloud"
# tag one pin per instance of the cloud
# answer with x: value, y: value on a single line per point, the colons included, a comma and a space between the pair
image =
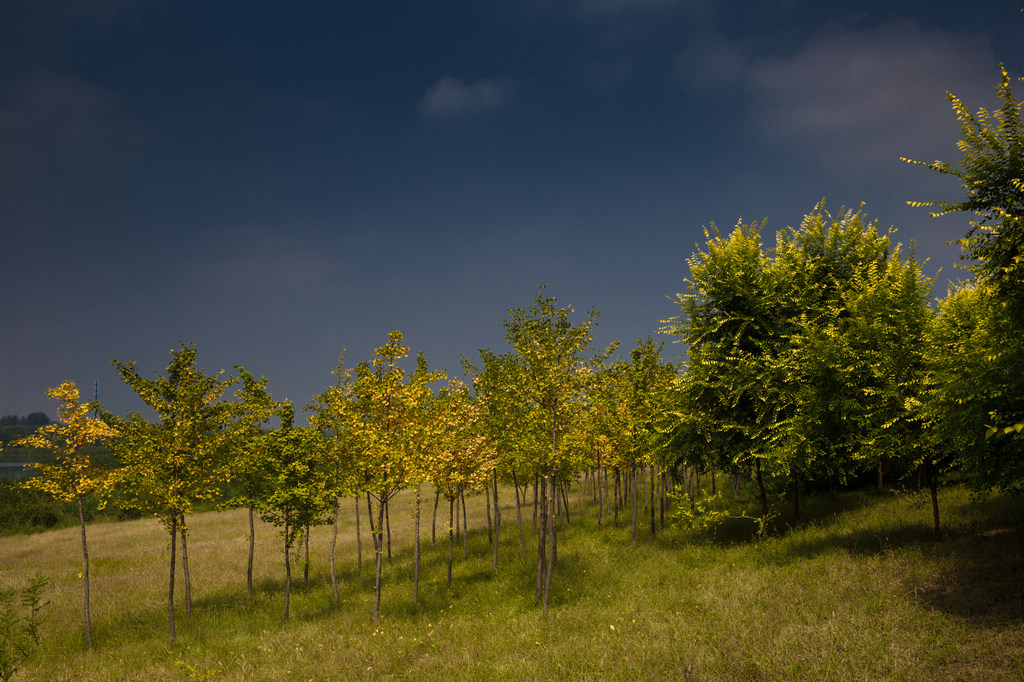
x: 452, y: 99
x: 871, y: 93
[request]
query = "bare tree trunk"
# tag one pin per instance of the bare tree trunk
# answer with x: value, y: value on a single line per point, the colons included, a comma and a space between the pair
x: 554, y: 549
x: 184, y: 568
x: 663, y: 491
x: 465, y: 528
x: 85, y: 575
x: 617, y: 482
x: 542, y: 542
x: 170, y: 589
x: 760, y: 488
x: 600, y: 497
x: 359, y: 539
x: 881, y: 483
x: 252, y: 548
x: 519, y: 511
x: 380, y: 558
x: 387, y: 522
x: 433, y: 523
x: 305, y: 569
x: 536, y: 485
x: 373, y: 531
x: 451, y: 537
x: 497, y: 522
x: 632, y: 533
x: 416, y: 562
x: 933, y: 484
x: 653, y: 528
x: 287, y: 571
x: 490, y: 526
x: 334, y: 543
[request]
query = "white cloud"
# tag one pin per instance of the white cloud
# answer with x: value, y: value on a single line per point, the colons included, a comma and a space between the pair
x: 867, y: 94
x: 453, y: 99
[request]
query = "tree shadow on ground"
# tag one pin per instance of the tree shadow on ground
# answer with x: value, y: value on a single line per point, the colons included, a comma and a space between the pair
x: 979, y: 564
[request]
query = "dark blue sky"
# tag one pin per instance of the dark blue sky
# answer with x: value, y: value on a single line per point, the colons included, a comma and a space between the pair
x: 276, y: 182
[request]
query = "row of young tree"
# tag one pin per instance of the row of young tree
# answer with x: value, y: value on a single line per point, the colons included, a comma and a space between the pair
x: 813, y: 361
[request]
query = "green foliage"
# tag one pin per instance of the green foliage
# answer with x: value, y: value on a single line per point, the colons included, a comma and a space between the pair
x: 987, y: 389
x: 805, y: 360
x: 19, y: 627
x: 992, y: 176
x: 169, y: 466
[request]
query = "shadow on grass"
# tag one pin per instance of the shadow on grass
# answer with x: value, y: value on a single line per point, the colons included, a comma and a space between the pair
x: 982, y: 577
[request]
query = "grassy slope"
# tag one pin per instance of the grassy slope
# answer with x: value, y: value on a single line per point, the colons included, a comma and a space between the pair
x: 863, y: 594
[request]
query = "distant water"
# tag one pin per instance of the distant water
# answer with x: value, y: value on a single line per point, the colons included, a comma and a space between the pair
x: 13, y: 470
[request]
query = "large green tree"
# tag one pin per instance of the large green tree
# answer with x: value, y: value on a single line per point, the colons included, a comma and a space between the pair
x: 991, y: 172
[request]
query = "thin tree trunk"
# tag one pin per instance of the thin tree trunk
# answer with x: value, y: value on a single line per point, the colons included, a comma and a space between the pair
x: 334, y: 543
x: 465, y: 528
x: 252, y: 549
x: 881, y: 483
x: 416, y: 564
x: 663, y: 491
x: 600, y: 496
x: 369, y: 515
x: 359, y: 539
x: 458, y: 526
x: 451, y: 537
x: 387, y: 522
x: 536, y: 485
x: 618, y: 479
x: 519, y: 512
x: 542, y: 542
x: 632, y: 533
x: 653, y: 528
x: 184, y: 568
x: 933, y: 484
x: 760, y: 488
x: 497, y: 522
x: 433, y: 523
x: 305, y: 569
x: 287, y: 571
x: 85, y: 575
x: 554, y: 548
x: 490, y: 526
x: 380, y: 558
x: 170, y: 589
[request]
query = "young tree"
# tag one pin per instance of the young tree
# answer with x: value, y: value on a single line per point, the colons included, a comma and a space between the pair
x: 19, y: 634
x: 166, y: 467
x: 300, y: 493
x: 552, y: 351
x: 72, y: 477
x: 461, y: 457
x: 254, y: 409
x: 386, y: 423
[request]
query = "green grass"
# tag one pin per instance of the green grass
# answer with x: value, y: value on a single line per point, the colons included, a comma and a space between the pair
x: 856, y: 591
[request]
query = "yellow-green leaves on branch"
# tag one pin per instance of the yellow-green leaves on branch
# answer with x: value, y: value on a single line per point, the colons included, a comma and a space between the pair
x: 555, y: 356
x: 170, y: 465
x: 72, y: 477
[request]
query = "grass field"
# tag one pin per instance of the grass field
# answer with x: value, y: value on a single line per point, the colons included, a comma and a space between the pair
x: 859, y: 591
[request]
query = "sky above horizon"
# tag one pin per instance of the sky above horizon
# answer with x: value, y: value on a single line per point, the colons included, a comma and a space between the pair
x: 279, y: 182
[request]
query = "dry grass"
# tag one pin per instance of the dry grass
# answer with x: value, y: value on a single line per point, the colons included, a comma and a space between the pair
x: 864, y: 594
